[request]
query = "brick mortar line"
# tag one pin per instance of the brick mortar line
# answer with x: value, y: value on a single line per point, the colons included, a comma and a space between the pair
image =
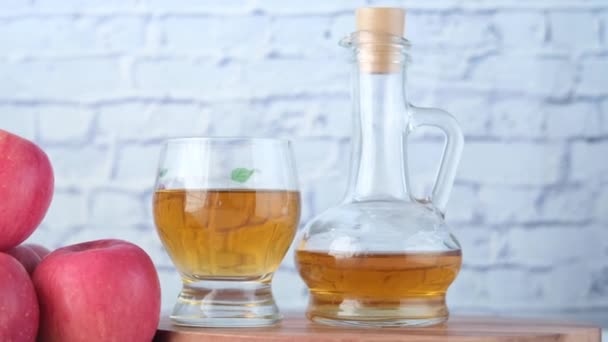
x: 135, y: 97
x: 167, y: 53
x: 442, y: 6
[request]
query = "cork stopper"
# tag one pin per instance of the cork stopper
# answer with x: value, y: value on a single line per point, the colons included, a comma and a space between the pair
x: 381, y: 19
x: 379, y: 26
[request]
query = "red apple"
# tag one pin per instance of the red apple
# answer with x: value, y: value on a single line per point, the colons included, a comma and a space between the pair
x: 38, y: 249
x: 26, y: 188
x: 104, y: 290
x: 29, y: 255
x: 18, y: 304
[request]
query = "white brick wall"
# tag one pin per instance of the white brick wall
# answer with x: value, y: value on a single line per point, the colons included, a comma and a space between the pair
x: 99, y: 84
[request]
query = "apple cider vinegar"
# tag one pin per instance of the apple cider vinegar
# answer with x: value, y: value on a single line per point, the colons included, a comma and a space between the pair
x: 226, y: 234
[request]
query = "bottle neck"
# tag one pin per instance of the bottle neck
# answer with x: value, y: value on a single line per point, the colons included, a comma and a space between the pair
x: 380, y: 118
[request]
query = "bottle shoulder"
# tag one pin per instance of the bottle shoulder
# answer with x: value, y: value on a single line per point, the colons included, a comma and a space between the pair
x: 392, y: 213
x: 379, y: 225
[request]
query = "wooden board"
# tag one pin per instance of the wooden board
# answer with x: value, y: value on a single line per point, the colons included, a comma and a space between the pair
x: 458, y: 329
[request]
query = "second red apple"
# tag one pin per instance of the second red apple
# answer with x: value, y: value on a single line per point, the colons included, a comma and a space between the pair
x: 105, y: 290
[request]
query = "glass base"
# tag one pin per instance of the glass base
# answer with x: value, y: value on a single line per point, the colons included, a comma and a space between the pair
x: 406, y: 312
x: 212, y: 303
x: 396, y: 323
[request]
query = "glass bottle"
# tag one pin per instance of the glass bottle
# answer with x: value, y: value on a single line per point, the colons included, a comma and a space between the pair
x: 383, y: 257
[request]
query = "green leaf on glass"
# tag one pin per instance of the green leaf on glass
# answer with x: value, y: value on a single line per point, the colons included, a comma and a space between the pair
x: 241, y: 174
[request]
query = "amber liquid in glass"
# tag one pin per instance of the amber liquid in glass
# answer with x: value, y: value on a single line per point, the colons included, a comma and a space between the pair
x: 360, y: 287
x: 226, y: 234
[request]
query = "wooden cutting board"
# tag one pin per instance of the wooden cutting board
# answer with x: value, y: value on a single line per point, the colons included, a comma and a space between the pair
x: 459, y: 329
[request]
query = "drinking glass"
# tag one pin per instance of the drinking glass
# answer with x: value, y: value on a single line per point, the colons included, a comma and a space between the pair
x: 226, y: 211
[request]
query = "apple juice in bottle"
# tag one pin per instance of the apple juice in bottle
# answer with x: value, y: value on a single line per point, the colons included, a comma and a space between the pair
x: 383, y: 257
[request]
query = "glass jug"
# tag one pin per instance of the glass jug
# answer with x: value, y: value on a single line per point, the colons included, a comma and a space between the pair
x: 383, y: 257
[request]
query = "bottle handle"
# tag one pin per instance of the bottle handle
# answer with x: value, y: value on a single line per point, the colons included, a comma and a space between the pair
x: 452, y: 150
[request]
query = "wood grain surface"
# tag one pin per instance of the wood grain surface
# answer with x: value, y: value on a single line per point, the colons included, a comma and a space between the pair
x: 458, y: 329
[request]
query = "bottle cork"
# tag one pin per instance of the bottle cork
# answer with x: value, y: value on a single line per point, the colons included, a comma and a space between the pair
x: 388, y: 20
x: 377, y: 27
